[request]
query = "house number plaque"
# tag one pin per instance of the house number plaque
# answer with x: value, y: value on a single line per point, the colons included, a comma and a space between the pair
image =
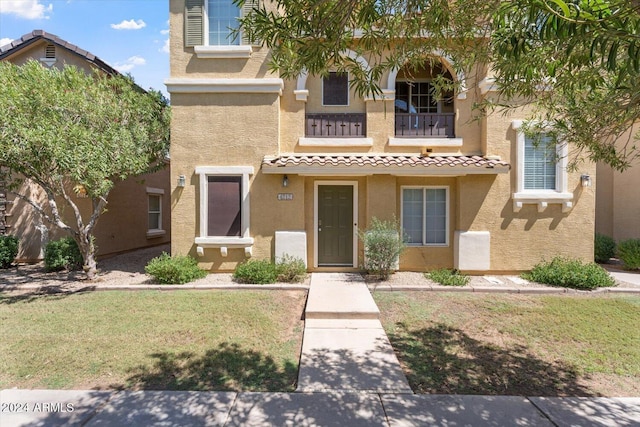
x: 285, y: 196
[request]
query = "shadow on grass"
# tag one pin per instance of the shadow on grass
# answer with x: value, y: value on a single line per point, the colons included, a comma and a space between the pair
x: 227, y: 367
x: 445, y: 360
x: 45, y: 292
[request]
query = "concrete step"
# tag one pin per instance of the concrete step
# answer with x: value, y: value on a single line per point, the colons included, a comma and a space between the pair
x: 340, y: 296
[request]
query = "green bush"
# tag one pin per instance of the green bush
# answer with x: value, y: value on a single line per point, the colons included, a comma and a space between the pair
x: 168, y: 270
x: 8, y: 250
x: 570, y: 273
x: 290, y: 269
x: 605, y: 248
x: 62, y: 254
x: 629, y: 253
x: 383, y: 244
x: 256, y: 272
x: 448, y: 277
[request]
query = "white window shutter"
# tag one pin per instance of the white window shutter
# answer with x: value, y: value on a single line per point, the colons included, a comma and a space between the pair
x: 247, y: 9
x: 193, y: 23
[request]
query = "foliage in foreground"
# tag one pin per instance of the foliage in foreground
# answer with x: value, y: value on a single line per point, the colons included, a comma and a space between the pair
x: 62, y: 254
x: 629, y: 253
x: 67, y: 131
x: 584, y: 53
x: 604, y: 249
x: 448, y: 277
x: 382, y: 247
x: 570, y: 273
x: 288, y: 269
x: 8, y: 250
x: 176, y: 270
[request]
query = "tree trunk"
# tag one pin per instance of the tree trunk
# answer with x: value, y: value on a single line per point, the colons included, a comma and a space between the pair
x: 88, y: 251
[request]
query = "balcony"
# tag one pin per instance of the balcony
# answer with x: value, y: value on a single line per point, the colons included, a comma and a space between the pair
x: 425, y: 125
x: 346, y: 125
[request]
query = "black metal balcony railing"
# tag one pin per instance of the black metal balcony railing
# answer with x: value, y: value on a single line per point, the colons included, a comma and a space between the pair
x: 345, y: 125
x: 425, y: 125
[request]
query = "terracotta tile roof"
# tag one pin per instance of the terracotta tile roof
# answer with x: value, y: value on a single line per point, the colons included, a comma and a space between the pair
x: 35, y: 35
x: 385, y: 163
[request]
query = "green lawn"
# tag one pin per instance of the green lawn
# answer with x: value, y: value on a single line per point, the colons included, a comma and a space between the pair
x: 183, y: 340
x: 515, y: 344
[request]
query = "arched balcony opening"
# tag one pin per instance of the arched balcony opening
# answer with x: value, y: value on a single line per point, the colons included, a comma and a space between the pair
x: 420, y: 111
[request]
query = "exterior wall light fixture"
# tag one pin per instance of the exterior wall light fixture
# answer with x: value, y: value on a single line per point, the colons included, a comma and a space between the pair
x: 585, y: 180
x: 285, y: 181
x: 182, y: 181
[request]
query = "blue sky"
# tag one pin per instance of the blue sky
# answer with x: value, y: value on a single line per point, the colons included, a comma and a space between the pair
x: 130, y: 35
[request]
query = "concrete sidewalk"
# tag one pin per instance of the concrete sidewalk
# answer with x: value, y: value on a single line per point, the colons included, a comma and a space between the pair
x: 53, y: 408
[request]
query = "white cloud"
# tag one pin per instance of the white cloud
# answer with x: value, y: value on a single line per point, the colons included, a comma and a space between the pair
x: 27, y: 9
x: 130, y: 64
x: 5, y: 41
x: 129, y: 25
x: 165, y: 47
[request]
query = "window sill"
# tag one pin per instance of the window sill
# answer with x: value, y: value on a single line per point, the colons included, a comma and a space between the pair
x: 151, y: 234
x: 425, y: 142
x: 224, y: 243
x: 542, y: 199
x: 223, y: 52
x: 336, y: 142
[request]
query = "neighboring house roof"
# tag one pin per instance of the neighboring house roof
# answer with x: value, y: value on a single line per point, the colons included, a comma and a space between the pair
x: 37, y: 35
x: 399, y: 164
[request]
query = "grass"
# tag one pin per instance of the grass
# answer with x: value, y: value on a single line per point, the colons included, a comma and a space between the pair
x: 515, y: 344
x: 188, y: 340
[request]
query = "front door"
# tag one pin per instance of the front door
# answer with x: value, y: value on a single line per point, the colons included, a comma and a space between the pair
x: 335, y: 225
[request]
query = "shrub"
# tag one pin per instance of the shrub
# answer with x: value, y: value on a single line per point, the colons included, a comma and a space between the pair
x: 62, y: 254
x: 605, y: 248
x: 629, y: 253
x: 447, y: 277
x: 570, y: 273
x: 8, y: 250
x: 256, y: 271
x: 176, y: 270
x: 383, y: 244
x: 290, y: 269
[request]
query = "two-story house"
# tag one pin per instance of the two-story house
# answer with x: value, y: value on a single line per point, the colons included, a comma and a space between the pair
x: 262, y: 166
x: 138, y: 210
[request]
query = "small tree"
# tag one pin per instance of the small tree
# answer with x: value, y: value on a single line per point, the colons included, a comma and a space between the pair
x: 66, y: 131
x: 383, y: 243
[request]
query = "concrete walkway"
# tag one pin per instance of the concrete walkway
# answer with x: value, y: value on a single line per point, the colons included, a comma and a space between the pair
x: 344, y: 347
x: 349, y: 376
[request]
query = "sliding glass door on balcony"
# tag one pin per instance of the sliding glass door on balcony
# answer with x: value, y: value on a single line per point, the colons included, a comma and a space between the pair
x: 419, y: 114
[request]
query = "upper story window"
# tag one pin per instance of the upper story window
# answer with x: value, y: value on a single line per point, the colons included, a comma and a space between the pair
x: 541, y: 170
x: 335, y: 89
x: 540, y: 163
x: 222, y: 19
x: 416, y: 97
x: 212, y: 22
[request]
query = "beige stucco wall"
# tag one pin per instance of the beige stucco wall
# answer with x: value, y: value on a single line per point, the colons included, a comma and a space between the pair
x: 618, y: 196
x: 238, y: 129
x: 121, y: 228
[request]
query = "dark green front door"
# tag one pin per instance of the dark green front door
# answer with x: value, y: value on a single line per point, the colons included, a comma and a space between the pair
x: 335, y: 225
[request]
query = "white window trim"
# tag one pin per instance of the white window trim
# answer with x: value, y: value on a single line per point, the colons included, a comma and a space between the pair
x: 155, y: 232
x: 348, y: 94
x: 424, y: 229
x: 223, y: 242
x: 542, y: 198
